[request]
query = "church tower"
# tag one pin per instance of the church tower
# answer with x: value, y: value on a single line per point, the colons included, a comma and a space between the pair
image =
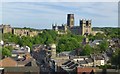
x: 70, y: 20
x: 85, y: 26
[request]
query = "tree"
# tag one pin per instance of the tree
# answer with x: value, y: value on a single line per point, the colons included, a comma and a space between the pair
x: 67, y: 44
x: 91, y: 37
x: 6, y: 52
x: 87, y: 50
x: 115, y: 59
x: 8, y: 37
x: 79, y: 38
x: 103, y: 46
x: 9, y: 48
x: 100, y: 36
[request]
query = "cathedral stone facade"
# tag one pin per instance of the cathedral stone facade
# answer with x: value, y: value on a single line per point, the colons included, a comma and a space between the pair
x: 84, y: 27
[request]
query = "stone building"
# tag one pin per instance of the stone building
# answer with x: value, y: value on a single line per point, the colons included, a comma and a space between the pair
x: 62, y: 28
x: 70, y: 20
x: 18, y: 31
x: 6, y: 28
x: 24, y: 32
x: 32, y: 33
x: 53, y: 50
x: 84, y: 27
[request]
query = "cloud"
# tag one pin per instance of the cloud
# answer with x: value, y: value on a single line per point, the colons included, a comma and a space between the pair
x: 60, y: 0
x: 43, y: 14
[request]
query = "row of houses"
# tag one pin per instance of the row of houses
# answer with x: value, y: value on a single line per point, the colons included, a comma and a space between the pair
x: 19, y: 65
x: 71, y: 64
x: 20, y: 61
x: 80, y: 65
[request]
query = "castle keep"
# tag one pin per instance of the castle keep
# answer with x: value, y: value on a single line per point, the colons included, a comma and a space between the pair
x: 17, y: 31
x: 6, y: 28
x: 84, y: 27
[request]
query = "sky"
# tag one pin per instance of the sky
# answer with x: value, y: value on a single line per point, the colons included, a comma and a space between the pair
x: 41, y: 15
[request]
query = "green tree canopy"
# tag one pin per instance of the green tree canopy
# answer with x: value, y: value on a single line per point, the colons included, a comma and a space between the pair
x: 87, y: 50
x: 6, y: 52
x: 67, y: 44
x: 115, y: 59
x: 103, y: 46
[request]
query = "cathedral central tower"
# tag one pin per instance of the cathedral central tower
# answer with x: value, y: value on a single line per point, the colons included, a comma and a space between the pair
x: 70, y: 20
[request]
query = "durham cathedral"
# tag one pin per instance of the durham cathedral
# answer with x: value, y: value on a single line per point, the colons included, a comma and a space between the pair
x: 84, y: 27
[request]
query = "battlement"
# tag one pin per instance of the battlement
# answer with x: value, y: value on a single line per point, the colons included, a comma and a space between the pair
x: 84, y: 21
x: 85, y: 26
x: 17, y: 31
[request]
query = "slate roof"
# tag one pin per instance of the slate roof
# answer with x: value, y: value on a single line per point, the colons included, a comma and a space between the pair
x: 83, y: 62
x: 97, y: 57
x: 89, y: 60
x: 66, y: 62
x: 19, y: 51
x: 73, y: 66
x: 69, y: 64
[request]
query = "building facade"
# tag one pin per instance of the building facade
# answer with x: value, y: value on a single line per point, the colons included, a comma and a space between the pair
x: 70, y: 20
x: 6, y: 28
x: 84, y: 27
x: 53, y: 50
x: 24, y: 32
x: 18, y: 31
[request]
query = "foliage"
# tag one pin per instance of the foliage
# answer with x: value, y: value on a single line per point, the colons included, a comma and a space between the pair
x: 100, y: 36
x: 103, y: 46
x: 87, y: 50
x: 65, y: 42
x: 110, y: 32
x: 68, y: 42
x: 115, y: 59
x: 91, y: 37
x: 8, y: 37
x: 6, y: 51
x: 106, y: 67
x: 47, y: 37
x: 9, y: 48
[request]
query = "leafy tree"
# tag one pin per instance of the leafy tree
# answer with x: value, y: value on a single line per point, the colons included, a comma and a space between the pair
x: 87, y: 50
x: 103, y: 46
x: 6, y: 52
x: 67, y: 44
x: 115, y: 59
x: 9, y: 48
x: 79, y: 38
x: 105, y: 66
x: 91, y: 37
x: 100, y: 36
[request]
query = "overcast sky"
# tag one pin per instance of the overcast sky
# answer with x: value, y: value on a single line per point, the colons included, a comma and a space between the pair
x: 41, y: 15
